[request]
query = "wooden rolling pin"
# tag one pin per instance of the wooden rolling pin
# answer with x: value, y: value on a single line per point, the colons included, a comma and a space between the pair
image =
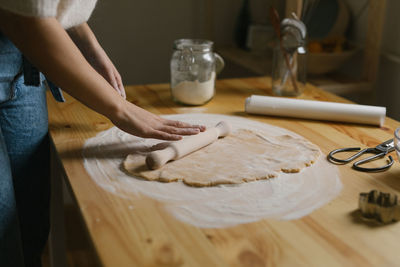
x: 179, y: 149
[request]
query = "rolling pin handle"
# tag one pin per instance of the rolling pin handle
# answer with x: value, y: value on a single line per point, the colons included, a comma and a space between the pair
x: 176, y: 150
x: 223, y: 128
x: 158, y: 158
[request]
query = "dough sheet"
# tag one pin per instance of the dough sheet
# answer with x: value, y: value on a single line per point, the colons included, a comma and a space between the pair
x: 242, y: 156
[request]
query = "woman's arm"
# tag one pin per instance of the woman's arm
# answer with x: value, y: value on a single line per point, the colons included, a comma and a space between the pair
x: 87, y: 43
x: 46, y: 44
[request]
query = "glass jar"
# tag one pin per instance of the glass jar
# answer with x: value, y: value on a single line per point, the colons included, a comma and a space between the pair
x: 193, y: 70
x: 289, y: 63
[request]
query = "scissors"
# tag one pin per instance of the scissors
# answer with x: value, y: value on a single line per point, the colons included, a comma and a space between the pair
x: 380, y: 151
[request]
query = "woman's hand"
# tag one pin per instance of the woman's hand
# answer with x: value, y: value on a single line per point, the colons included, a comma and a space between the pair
x: 139, y: 122
x: 99, y: 60
x: 87, y: 43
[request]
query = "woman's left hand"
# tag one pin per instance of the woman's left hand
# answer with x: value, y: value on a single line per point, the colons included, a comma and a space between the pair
x: 99, y: 60
x: 87, y: 43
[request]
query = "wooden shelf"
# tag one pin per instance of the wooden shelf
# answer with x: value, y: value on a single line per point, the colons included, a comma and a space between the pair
x: 260, y: 63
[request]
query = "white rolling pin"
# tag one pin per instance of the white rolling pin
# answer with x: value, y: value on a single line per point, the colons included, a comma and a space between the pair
x: 317, y: 110
x: 179, y: 149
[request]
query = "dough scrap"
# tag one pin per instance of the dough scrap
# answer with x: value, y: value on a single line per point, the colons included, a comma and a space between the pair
x: 243, y: 156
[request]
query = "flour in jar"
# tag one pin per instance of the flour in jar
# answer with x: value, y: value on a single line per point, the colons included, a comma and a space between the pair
x: 194, y: 93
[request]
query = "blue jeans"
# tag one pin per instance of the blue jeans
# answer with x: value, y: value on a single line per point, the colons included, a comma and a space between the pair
x: 24, y: 163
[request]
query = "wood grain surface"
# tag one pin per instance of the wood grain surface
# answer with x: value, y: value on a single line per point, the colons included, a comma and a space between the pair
x: 333, y: 235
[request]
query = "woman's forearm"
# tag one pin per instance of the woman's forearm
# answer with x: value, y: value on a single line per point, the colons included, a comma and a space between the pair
x: 45, y: 43
x: 48, y: 46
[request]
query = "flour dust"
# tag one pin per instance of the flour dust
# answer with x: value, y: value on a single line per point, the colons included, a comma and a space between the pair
x: 286, y: 197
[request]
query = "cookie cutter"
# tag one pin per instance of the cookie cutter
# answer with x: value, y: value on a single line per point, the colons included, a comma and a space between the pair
x: 379, y: 206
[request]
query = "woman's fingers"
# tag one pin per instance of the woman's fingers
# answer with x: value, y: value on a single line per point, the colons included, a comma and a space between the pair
x: 180, y: 131
x: 114, y: 79
x: 120, y: 85
x: 164, y: 136
x: 113, y: 82
x: 160, y: 130
x: 180, y: 124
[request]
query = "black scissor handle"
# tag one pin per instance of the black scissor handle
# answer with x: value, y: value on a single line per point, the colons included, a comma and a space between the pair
x: 356, y: 155
x: 357, y: 164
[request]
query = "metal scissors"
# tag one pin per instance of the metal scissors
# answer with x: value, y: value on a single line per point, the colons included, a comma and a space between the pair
x: 380, y: 151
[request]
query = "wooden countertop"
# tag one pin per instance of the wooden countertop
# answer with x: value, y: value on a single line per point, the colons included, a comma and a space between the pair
x: 148, y: 236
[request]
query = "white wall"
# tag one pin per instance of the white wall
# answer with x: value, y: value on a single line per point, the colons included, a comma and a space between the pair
x: 138, y: 35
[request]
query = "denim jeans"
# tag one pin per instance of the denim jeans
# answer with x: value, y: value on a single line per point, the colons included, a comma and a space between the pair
x: 24, y: 163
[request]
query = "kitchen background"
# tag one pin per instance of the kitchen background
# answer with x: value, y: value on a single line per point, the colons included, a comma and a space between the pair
x: 138, y: 36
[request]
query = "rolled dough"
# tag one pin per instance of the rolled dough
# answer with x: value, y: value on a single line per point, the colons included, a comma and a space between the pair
x: 289, y: 196
x: 243, y: 156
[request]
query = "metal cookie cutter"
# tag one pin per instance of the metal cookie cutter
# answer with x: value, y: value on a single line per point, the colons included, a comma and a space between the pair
x: 380, y: 150
x: 380, y: 206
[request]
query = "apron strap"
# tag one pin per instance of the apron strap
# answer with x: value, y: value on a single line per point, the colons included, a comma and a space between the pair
x: 31, y: 73
x: 32, y: 78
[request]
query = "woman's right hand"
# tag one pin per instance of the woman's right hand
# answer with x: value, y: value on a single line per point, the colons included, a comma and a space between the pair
x: 139, y: 122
